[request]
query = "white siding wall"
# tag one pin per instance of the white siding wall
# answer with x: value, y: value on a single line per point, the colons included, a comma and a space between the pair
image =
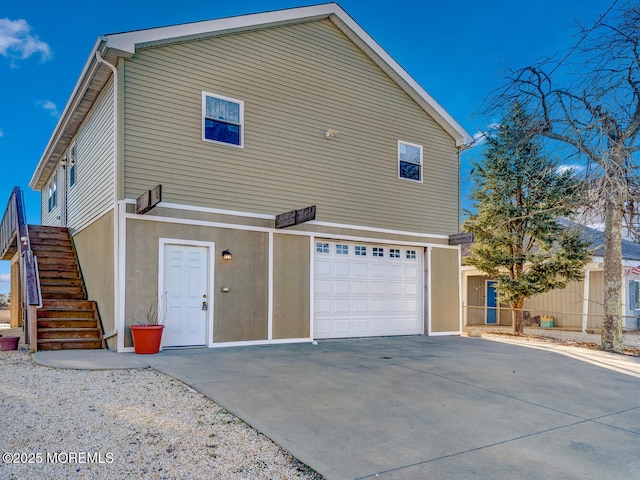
x: 93, y: 191
x: 51, y: 218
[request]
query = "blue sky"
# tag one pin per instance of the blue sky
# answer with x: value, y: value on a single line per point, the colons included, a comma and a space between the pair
x: 458, y: 52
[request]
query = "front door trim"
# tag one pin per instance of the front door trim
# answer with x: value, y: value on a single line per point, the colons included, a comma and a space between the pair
x: 211, y: 247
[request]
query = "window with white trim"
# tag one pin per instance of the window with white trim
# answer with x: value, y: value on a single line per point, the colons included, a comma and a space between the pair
x: 73, y: 154
x: 53, y: 192
x: 342, y: 249
x: 394, y: 252
x: 409, y: 161
x: 411, y: 254
x: 222, y: 120
x: 361, y: 251
x: 378, y: 252
x: 322, y: 247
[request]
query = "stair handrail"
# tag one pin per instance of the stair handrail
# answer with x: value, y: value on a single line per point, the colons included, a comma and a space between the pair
x: 14, y: 228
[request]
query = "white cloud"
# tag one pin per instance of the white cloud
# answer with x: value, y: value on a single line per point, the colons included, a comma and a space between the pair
x: 5, y: 281
x: 16, y: 41
x: 49, y: 106
x: 575, y: 168
x: 481, y: 136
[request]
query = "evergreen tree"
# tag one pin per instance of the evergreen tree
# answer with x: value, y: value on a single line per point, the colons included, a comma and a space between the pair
x: 519, y: 196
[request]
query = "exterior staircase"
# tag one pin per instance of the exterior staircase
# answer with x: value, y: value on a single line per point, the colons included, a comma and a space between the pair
x: 67, y: 319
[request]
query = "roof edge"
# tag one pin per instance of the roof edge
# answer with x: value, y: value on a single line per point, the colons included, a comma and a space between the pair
x: 125, y: 45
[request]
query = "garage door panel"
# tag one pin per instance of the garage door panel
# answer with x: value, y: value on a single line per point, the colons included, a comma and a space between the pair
x: 411, y: 272
x: 360, y: 305
x: 378, y: 271
x: 396, y: 289
x: 323, y: 267
x: 360, y: 287
x: 342, y: 287
x: 323, y: 287
x: 342, y: 306
x: 367, y: 290
x: 360, y: 270
x: 377, y: 305
x: 377, y: 288
x: 342, y: 269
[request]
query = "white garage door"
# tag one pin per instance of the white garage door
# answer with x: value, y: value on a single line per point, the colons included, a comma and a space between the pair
x: 364, y: 290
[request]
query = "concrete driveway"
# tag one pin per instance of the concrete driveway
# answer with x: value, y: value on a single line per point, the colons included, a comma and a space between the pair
x: 426, y: 407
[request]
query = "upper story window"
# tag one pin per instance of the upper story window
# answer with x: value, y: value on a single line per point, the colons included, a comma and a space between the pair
x: 222, y: 119
x: 53, y: 192
x: 409, y: 161
x: 73, y: 156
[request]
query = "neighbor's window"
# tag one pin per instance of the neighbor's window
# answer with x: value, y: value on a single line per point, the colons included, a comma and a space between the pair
x: 53, y: 192
x: 222, y: 119
x: 410, y: 161
x: 634, y: 295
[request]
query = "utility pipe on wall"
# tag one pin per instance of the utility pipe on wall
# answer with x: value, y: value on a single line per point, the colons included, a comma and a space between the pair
x: 116, y: 213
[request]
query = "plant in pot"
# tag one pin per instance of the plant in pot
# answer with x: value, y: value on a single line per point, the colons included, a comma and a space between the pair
x: 9, y: 343
x: 147, y: 337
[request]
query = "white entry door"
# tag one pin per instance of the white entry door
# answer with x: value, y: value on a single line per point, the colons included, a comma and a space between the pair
x: 186, y: 290
x: 365, y: 290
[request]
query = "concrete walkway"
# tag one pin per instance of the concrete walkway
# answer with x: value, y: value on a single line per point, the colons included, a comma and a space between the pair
x: 424, y: 407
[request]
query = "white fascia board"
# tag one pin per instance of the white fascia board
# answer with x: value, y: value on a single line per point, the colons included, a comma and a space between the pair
x: 128, y: 41
x: 65, y: 117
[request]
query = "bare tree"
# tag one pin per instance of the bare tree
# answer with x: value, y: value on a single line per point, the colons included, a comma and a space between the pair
x: 589, y: 100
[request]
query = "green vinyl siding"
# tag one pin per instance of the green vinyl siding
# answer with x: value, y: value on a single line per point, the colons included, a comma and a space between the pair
x: 296, y: 82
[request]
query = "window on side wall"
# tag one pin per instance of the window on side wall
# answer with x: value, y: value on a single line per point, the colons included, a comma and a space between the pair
x: 53, y: 192
x: 73, y: 158
x: 222, y: 120
x: 409, y: 161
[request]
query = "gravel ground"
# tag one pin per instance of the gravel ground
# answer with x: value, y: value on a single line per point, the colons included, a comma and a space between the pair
x: 116, y: 424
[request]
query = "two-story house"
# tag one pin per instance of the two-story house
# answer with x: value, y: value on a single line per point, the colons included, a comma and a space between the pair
x: 239, y: 120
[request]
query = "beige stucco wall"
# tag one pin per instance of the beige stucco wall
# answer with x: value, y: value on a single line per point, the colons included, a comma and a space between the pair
x: 94, y: 247
x: 291, y: 262
x: 445, y: 290
x: 240, y: 314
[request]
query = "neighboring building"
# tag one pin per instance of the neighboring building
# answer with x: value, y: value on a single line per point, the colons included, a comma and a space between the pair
x: 240, y: 119
x: 579, y: 306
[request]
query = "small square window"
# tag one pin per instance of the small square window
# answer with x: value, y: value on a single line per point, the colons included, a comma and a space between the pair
x: 342, y: 249
x: 361, y: 251
x: 410, y: 161
x: 322, y: 247
x: 411, y: 254
x: 378, y: 252
x: 394, y: 253
x: 222, y: 119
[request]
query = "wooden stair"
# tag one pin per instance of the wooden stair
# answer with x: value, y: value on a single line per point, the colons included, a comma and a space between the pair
x: 67, y: 319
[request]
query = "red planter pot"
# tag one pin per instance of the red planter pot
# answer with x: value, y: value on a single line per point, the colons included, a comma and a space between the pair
x: 9, y: 343
x: 146, y: 338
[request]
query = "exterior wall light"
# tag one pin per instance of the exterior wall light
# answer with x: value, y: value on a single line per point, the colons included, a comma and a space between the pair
x: 226, y: 255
